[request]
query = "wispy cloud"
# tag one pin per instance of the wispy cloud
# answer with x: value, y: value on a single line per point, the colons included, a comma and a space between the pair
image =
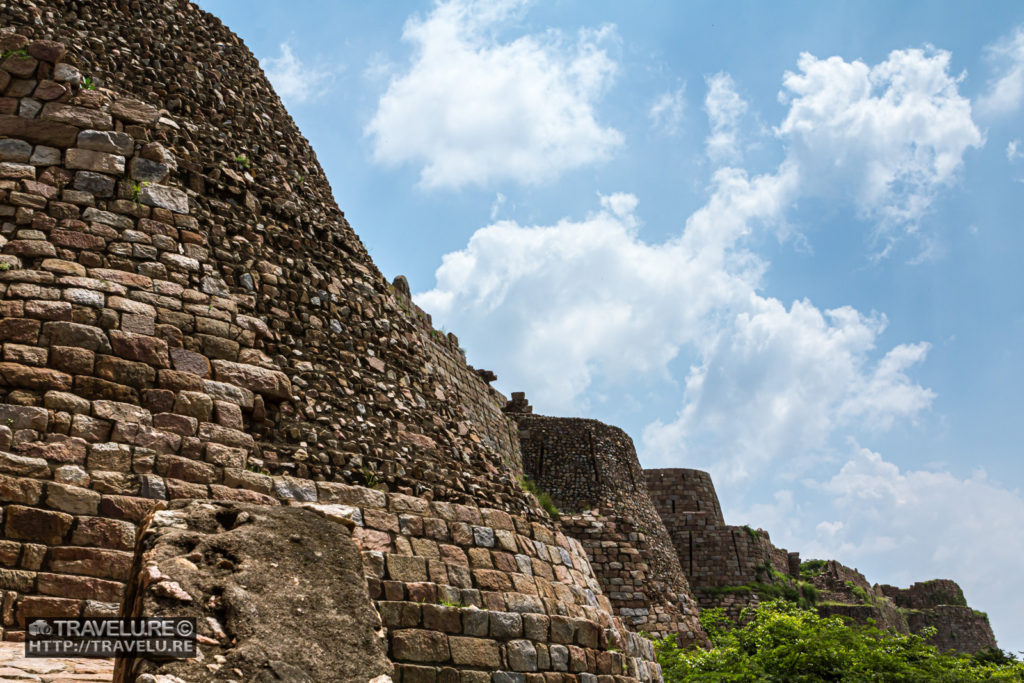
x: 293, y: 80
x: 725, y: 108
x: 1006, y: 91
x: 1013, y: 151
x: 666, y: 112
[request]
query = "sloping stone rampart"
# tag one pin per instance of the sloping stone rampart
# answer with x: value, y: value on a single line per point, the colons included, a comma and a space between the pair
x: 592, y: 474
x: 184, y: 313
x: 711, y: 553
x: 462, y: 592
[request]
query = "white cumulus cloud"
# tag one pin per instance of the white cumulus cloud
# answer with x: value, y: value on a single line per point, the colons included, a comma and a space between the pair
x: 587, y: 302
x: 936, y: 525
x: 472, y: 109
x: 887, y: 137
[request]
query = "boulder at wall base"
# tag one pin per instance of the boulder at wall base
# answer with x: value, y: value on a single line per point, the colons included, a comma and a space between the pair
x: 277, y: 591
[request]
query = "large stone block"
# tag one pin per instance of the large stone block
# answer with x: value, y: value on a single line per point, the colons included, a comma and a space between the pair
x: 272, y: 383
x: 33, y: 524
x: 291, y: 591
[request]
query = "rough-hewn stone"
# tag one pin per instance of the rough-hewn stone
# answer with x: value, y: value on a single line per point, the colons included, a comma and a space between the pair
x: 269, y: 585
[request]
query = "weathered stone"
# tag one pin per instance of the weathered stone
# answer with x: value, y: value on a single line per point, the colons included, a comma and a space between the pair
x: 91, y: 160
x: 19, y: 489
x: 190, y: 361
x: 121, y: 412
x: 475, y: 652
x: 46, y: 50
x: 271, y: 383
x: 79, y: 587
x: 106, y: 141
x: 80, y: 117
x: 146, y: 171
x: 73, y: 499
x: 60, y: 333
x: 25, y: 466
x: 20, y: 65
x: 19, y: 330
x: 38, y: 132
x: 15, y: 150
x: 295, y: 592
x: 521, y: 655
x: 94, y: 183
x: 45, y: 156
x: 107, y: 218
x: 164, y: 197
x: 194, y: 404
x: 135, y: 111
x: 290, y: 488
x: 18, y: 375
x: 142, y: 348
x: 414, y: 645
x: 32, y: 524
x: 15, y: 171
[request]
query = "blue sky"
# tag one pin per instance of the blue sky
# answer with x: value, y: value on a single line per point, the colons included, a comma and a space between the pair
x: 780, y: 243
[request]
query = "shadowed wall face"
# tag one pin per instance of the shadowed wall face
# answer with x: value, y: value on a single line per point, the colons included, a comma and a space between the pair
x: 593, y: 475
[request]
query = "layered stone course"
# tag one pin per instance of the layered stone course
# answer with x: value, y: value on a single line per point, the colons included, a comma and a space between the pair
x: 926, y: 594
x: 679, y: 494
x: 364, y: 393
x: 957, y: 627
x: 592, y: 474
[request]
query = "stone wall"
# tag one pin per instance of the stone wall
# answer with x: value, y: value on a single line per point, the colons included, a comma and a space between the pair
x: 464, y: 593
x: 713, y: 554
x: 725, y: 564
x: 958, y: 628
x: 187, y: 314
x: 679, y: 493
x: 940, y: 603
x: 925, y: 594
x: 592, y: 474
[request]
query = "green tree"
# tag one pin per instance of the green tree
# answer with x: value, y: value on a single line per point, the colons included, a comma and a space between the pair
x: 784, y: 642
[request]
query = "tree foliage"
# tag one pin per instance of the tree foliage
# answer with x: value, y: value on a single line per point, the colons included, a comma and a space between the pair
x: 784, y: 642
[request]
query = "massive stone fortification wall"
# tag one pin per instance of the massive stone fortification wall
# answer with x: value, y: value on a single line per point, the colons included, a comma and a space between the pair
x: 712, y: 553
x: 941, y: 603
x: 262, y: 268
x: 591, y: 472
x: 736, y: 567
x: 185, y: 313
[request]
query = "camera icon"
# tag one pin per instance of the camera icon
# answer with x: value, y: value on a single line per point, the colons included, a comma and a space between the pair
x: 40, y: 628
